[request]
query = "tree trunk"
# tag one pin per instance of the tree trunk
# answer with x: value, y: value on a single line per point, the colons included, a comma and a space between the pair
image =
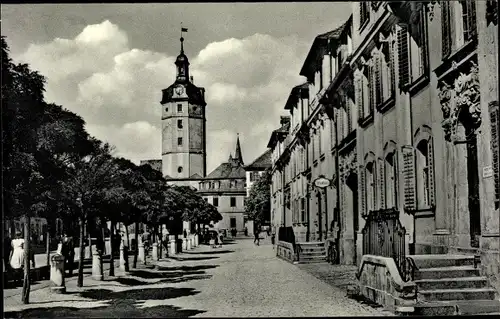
x: 102, y: 245
x: 47, y: 240
x: 89, y: 235
x: 160, y: 249
x: 127, y: 236
x: 25, y: 297
x: 112, y: 252
x: 136, y: 250
x: 82, y: 253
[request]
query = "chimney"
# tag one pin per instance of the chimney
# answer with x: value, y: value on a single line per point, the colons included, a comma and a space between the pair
x: 284, y: 120
x: 191, y: 79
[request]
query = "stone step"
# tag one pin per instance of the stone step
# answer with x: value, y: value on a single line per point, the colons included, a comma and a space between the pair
x: 457, y: 307
x: 310, y: 261
x: 446, y: 272
x: 478, y: 307
x: 457, y: 294
x: 312, y: 256
x: 435, y: 261
x: 452, y: 283
x: 313, y: 252
x: 312, y: 244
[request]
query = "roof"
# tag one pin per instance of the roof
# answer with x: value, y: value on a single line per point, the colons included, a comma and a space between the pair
x: 284, y: 130
x: 299, y: 90
x: 263, y: 161
x: 196, y: 95
x: 319, y: 47
x: 195, y: 176
x: 227, y: 170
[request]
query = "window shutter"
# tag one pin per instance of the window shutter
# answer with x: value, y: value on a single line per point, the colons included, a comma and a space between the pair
x: 370, y: 89
x: 432, y: 187
x: 392, y: 66
x: 349, y: 110
x: 408, y: 153
x: 494, y: 120
x: 445, y: 28
x: 403, y: 56
x: 378, y: 79
x: 362, y: 189
x: 375, y: 188
x: 359, y: 97
x: 340, y: 125
x: 396, y: 178
x: 381, y: 183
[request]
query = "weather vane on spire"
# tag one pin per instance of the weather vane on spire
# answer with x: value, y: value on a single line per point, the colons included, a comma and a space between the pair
x: 182, y: 38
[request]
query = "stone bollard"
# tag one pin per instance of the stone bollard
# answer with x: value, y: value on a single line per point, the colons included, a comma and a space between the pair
x: 173, y: 247
x: 59, y: 248
x: 141, y: 256
x: 124, y: 258
x: 97, y: 271
x: 87, y: 251
x: 184, y: 244
x: 188, y: 243
x: 57, y: 274
x: 196, y: 243
x: 155, y: 252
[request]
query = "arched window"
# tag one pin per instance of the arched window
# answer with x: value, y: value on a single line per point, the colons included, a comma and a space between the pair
x: 370, y: 186
x: 391, y: 186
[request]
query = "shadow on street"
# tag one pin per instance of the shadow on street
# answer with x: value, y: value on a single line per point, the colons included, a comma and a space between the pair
x: 193, y: 258
x: 163, y: 274
x: 187, y: 268
x: 121, y: 304
x: 211, y: 252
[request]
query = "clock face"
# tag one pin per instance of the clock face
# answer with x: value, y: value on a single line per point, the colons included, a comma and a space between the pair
x: 179, y: 90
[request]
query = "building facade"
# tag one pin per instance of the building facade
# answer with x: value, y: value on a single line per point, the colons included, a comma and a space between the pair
x: 224, y: 188
x: 405, y: 94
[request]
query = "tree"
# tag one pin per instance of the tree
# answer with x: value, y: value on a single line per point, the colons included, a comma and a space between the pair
x: 22, y: 108
x: 258, y: 203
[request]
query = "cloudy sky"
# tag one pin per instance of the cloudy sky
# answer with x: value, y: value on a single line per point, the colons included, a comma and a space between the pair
x: 109, y: 63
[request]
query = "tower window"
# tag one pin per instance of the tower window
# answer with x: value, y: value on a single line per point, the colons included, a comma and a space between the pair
x: 179, y: 169
x: 179, y: 107
x: 179, y: 124
x: 166, y: 109
x: 179, y: 141
x: 233, y: 201
x: 216, y: 201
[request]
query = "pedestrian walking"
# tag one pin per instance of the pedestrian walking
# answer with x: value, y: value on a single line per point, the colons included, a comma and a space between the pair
x: 7, y: 248
x: 257, y: 238
x: 246, y: 231
x: 221, y: 238
x: 68, y: 251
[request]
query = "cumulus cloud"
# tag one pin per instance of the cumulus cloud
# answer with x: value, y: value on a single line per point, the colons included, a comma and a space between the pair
x: 117, y: 88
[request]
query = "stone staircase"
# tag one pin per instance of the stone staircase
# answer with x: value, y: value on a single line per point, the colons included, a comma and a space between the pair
x: 312, y: 252
x: 452, y: 285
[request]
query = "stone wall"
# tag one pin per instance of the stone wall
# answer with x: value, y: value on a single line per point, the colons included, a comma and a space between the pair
x: 285, y: 250
x: 380, y: 282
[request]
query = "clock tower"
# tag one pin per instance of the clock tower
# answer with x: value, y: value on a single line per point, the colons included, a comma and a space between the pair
x: 183, y: 125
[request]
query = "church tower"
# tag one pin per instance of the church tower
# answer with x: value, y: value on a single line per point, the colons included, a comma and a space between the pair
x: 183, y: 124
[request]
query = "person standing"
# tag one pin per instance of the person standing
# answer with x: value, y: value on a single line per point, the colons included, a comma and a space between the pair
x: 16, y: 257
x: 246, y: 231
x: 68, y: 251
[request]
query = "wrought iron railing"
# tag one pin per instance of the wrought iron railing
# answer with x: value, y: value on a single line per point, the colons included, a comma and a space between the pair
x: 383, y: 235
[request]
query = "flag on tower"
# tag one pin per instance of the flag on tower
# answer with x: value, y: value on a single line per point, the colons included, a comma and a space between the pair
x: 184, y: 29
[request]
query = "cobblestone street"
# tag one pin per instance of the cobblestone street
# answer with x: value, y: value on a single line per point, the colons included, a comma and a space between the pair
x: 240, y: 279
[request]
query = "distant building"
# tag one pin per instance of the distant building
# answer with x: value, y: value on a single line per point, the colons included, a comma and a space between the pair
x: 224, y: 188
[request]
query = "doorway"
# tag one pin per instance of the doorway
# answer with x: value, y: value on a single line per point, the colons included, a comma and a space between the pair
x: 352, y: 184
x: 473, y: 188
x: 320, y: 219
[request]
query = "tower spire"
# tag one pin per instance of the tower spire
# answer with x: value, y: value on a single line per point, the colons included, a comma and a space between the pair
x: 182, y: 62
x: 237, y: 153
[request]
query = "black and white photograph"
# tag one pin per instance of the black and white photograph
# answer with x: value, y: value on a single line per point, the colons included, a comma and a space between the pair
x: 250, y: 159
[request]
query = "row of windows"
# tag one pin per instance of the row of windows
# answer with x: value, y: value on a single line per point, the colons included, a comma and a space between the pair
x: 381, y: 180
x: 218, y: 184
x: 215, y: 201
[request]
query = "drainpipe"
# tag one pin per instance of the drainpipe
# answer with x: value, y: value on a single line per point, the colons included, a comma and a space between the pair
x: 337, y: 173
